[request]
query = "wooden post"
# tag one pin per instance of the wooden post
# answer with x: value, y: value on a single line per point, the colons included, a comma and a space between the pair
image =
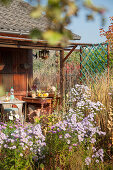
x: 61, y: 75
x: 81, y: 65
x: 108, y: 52
x: 30, y: 69
x: 66, y: 77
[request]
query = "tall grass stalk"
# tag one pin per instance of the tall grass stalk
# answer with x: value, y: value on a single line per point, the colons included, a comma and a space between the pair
x: 102, y: 91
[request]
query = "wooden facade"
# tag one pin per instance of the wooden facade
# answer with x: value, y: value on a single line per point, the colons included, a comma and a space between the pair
x: 17, y: 71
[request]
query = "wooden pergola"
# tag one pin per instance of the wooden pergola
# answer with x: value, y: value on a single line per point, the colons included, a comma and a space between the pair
x: 24, y: 42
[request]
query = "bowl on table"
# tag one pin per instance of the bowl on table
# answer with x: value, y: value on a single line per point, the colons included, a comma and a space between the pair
x: 43, y: 94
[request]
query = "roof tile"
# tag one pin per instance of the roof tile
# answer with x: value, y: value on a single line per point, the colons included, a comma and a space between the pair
x: 16, y: 17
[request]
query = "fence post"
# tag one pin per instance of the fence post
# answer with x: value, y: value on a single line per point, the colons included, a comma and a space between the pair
x: 80, y: 65
x: 66, y: 81
x: 62, y: 75
x: 108, y: 52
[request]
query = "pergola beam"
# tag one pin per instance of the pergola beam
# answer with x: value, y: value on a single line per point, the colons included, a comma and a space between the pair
x: 69, y: 53
x: 29, y: 47
x: 75, y: 50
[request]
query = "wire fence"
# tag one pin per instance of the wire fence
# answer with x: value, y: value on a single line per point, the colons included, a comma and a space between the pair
x: 89, y: 67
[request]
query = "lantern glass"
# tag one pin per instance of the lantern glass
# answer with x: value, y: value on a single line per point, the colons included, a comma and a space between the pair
x: 44, y: 54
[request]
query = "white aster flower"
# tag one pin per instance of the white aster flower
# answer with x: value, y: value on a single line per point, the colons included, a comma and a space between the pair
x: 10, y: 117
x: 17, y: 116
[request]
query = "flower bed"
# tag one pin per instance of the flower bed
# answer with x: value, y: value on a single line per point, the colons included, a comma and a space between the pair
x: 19, y: 144
x: 71, y: 142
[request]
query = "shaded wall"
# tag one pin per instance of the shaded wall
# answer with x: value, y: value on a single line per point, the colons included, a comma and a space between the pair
x: 17, y: 71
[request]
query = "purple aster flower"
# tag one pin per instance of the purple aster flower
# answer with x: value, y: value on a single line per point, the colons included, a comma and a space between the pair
x: 1, y: 123
x: 68, y: 141
x: 12, y: 140
x: 94, y: 149
x: 3, y: 136
x: 24, y: 148
x: 21, y: 154
x: 67, y: 135
x: 5, y: 124
x: 88, y: 160
x: 80, y: 138
x: 16, y: 126
x: 52, y: 127
x: 97, y: 154
x: 14, y: 147
x: 1, y: 141
x: 93, y: 156
x: 97, y: 161
x: 29, y: 131
x: 58, y: 130
x: 31, y: 149
x: 3, y: 127
x: 60, y: 136
x: 43, y: 144
x: 74, y: 144
x: 30, y: 143
x: 5, y: 146
x: 70, y: 148
x: 101, y: 157
x: 93, y: 140
x: 22, y: 144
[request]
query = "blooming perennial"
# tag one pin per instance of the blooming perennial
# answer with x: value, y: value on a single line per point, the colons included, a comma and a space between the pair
x: 22, y: 138
x: 77, y: 129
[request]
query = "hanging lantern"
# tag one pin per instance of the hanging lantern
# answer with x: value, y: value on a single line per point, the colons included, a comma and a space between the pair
x: 44, y: 54
x: 56, y: 53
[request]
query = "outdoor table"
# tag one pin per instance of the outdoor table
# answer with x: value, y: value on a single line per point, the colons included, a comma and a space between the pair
x: 39, y: 100
x: 18, y: 103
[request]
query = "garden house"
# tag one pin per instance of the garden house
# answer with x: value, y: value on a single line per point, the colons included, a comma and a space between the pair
x: 16, y: 57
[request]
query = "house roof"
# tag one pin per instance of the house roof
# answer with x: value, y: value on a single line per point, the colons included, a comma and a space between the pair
x: 16, y: 19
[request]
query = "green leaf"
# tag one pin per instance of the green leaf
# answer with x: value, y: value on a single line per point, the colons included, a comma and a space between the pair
x: 53, y: 2
x: 42, y: 166
x: 88, y: 2
x: 36, y: 34
x: 37, y: 12
x: 72, y: 9
x: 5, y: 2
x: 54, y: 13
x: 12, y: 168
x: 52, y: 37
x: 68, y: 34
x: 57, y: 168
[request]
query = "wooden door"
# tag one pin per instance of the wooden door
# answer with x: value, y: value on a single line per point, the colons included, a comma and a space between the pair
x: 14, y: 74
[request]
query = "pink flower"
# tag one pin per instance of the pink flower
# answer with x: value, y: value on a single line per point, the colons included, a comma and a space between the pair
x: 74, y: 144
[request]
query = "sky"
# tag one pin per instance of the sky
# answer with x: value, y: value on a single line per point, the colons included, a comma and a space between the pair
x: 89, y: 30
